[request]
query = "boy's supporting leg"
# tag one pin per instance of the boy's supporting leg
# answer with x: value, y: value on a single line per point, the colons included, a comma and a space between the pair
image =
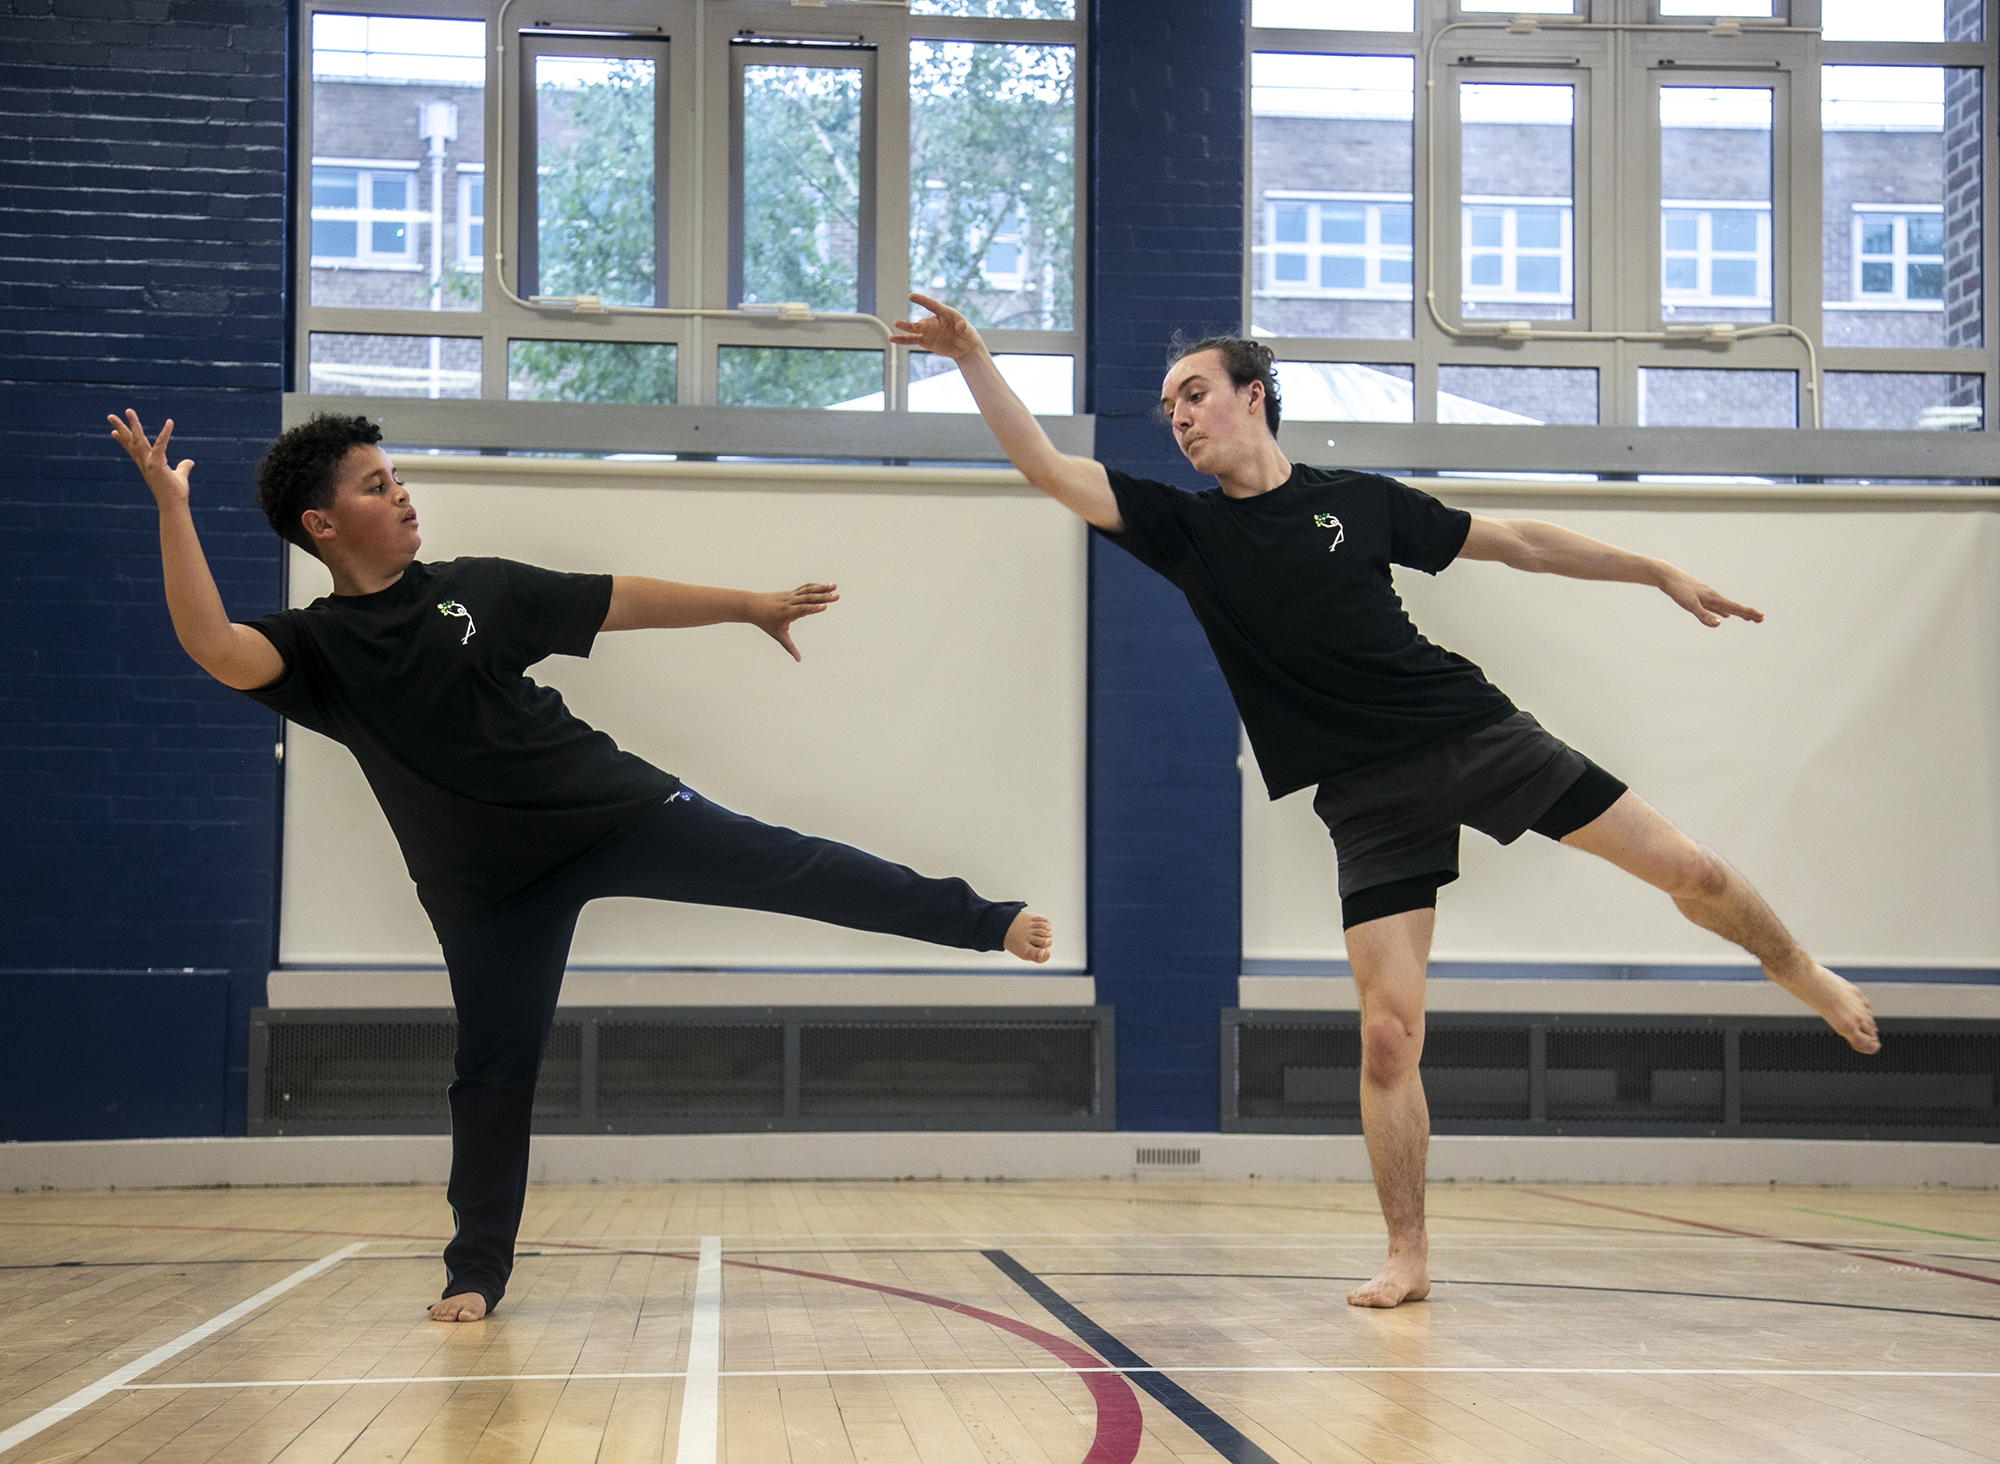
x: 506, y: 974
x: 699, y: 852
x: 1633, y: 835
x: 1389, y: 957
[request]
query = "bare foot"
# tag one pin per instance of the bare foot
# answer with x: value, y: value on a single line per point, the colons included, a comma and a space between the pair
x: 1835, y: 998
x: 468, y: 1306
x: 1403, y: 1277
x: 1031, y: 937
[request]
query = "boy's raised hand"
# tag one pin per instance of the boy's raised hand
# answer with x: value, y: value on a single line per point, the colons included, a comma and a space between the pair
x: 945, y: 334
x: 169, y: 485
x: 773, y: 613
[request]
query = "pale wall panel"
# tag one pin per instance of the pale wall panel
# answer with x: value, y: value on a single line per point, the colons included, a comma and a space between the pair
x: 1844, y: 754
x: 937, y: 719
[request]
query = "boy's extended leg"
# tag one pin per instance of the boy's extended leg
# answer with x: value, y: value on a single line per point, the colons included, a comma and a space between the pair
x: 700, y: 853
x: 1389, y: 956
x: 1633, y: 836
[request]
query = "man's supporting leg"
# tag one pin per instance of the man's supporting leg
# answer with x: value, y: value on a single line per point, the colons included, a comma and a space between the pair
x: 1636, y: 838
x: 506, y: 976
x: 1389, y: 956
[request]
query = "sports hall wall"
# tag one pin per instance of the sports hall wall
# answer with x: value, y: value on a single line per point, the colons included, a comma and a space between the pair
x: 143, y: 262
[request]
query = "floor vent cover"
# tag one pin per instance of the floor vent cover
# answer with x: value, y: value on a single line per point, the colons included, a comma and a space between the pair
x: 1182, y: 1157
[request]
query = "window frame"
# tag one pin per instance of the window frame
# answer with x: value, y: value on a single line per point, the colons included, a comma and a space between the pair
x: 364, y: 215
x: 694, y: 106
x: 1899, y: 258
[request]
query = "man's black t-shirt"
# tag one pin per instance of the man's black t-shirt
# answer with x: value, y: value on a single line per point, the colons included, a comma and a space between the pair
x: 487, y: 780
x: 1293, y: 588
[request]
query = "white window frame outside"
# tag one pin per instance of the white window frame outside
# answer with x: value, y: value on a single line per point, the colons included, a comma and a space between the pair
x: 1511, y: 252
x: 470, y: 249
x: 1899, y: 260
x: 364, y: 216
x: 1705, y: 253
x: 1372, y: 250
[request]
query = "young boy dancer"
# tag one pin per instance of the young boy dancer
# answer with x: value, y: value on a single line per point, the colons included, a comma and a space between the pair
x: 511, y: 813
x: 1287, y: 569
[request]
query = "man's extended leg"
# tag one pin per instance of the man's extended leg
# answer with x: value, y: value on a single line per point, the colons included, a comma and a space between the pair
x: 1634, y: 836
x: 1389, y: 956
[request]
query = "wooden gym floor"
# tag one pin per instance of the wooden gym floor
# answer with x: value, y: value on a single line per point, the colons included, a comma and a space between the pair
x: 1058, y: 1322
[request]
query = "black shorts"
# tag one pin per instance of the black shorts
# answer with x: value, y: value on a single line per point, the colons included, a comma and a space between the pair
x: 1395, y: 829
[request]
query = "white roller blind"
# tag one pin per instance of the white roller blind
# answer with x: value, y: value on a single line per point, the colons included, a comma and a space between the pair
x: 1845, y: 754
x: 937, y: 719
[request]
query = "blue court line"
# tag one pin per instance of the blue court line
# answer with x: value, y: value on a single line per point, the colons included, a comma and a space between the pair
x: 1214, y: 1430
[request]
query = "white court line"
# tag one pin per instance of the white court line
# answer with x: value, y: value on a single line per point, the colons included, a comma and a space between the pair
x: 926, y: 1372
x: 55, y: 1413
x: 701, y: 1420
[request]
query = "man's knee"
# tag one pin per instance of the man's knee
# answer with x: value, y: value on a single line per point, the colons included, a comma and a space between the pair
x: 1698, y: 874
x: 1391, y: 1047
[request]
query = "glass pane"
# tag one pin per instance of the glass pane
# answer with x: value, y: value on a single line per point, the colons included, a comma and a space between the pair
x: 1905, y: 20
x: 1899, y: 402
x: 1748, y: 9
x: 1519, y: 7
x: 1902, y: 264
x: 1361, y: 15
x: 1331, y: 170
x: 594, y: 130
x: 1047, y: 384
x: 1341, y: 391
x: 389, y: 365
x: 591, y: 371
x: 402, y: 104
x: 998, y: 9
x: 802, y: 186
x: 1517, y: 151
x: 993, y: 156
x: 1519, y: 395
x: 1687, y: 397
x: 1715, y: 157
x: 781, y: 376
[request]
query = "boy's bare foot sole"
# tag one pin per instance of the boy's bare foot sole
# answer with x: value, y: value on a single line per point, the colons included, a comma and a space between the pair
x: 1401, y: 1279
x: 468, y: 1307
x: 1031, y: 937
x: 1836, y: 999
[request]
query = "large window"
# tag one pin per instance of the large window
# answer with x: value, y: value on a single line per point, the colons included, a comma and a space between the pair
x: 1482, y: 213
x: 691, y: 202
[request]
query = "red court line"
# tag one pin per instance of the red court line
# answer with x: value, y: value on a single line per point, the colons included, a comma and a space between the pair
x: 1120, y: 1424
x: 1774, y: 1239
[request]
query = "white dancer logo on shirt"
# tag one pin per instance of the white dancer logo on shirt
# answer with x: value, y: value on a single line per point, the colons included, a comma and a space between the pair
x: 1328, y: 521
x: 450, y: 609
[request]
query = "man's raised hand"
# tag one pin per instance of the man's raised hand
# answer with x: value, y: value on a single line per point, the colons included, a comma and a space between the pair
x: 169, y: 485
x: 774, y: 613
x: 945, y: 334
x: 1704, y: 604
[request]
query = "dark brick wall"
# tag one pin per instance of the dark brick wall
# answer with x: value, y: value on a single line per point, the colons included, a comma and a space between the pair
x: 1165, y: 839
x: 142, y: 187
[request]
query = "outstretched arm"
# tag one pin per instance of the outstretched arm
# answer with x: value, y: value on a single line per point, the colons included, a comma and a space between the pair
x: 235, y: 655
x: 1077, y: 483
x: 638, y: 603
x: 1543, y: 548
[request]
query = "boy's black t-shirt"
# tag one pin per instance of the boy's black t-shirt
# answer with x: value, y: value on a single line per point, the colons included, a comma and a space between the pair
x: 1293, y: 588
x: 486, y: 778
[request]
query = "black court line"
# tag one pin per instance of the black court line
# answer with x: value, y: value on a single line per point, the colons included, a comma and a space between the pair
x: 113, y: 1265
x: 1906, y: 1311
x: 1214, y: 1430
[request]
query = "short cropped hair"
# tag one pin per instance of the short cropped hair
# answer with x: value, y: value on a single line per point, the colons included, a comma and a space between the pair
x: 1246, y: 361
x: 297, y: 473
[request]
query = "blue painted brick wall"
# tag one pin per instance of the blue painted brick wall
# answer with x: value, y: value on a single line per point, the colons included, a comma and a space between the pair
x: 1165, y: 843
x: 142, y: 188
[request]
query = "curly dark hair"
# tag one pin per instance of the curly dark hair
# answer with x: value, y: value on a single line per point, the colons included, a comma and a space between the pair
x: 1246, y: 361
x: 297, y: 473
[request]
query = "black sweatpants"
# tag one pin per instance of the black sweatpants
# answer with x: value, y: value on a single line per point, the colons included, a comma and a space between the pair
x: 506, y: 973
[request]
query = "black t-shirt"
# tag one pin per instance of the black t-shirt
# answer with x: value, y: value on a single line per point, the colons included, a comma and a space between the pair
x: 487, y: 780
x: 1293, y: 588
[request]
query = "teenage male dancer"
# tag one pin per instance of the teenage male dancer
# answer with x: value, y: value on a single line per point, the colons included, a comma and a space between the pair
x: 1287, y: 569
x: 511, y: 813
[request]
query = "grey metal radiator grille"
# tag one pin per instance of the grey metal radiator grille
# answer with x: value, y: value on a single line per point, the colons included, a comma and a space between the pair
x: 667, y: 1070
x: 1299, y: 1072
